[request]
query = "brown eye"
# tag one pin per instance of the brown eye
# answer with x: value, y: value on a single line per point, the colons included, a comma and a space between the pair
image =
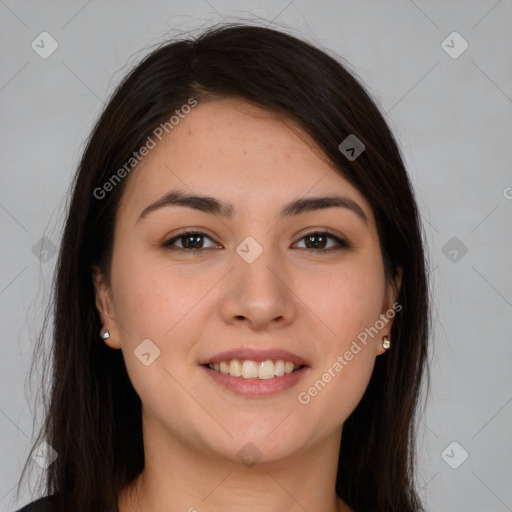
x: 191, y: 241
x: 318, y: 242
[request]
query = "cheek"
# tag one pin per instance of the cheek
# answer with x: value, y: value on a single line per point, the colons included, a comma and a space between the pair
x: 347, y: 300
x: 151, y: 297
x: 154, y: 302
x: 340, y: 380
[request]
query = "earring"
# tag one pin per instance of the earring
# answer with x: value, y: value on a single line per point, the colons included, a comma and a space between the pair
x: 385, y: 342
x: 105, y: 335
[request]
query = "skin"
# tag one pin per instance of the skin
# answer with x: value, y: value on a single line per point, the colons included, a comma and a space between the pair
x: 193, y: 306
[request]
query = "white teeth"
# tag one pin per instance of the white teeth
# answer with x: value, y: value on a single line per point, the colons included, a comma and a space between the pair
x: 252, y: 370
x: 288, y: 367
x: 249, y: 370
x: 266, y: 370
x: 235, y: 368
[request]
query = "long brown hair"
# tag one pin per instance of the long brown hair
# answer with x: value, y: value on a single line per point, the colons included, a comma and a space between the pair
x: 93, y: 414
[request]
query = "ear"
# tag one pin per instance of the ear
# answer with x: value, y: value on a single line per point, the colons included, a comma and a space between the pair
x: 105, y: 308
x: 390, y: 308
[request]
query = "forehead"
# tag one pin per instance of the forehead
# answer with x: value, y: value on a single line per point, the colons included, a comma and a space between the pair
x: 233, y: 150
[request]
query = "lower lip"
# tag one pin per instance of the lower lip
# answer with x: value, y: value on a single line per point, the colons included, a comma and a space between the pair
x: 256, y: 387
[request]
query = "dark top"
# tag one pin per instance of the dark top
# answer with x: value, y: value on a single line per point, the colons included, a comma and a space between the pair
x: 41, y: 505
x: 46, y: 504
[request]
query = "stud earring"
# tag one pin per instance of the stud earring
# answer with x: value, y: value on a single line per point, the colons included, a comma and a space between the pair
x: 386, y: 343
x: 105, y: 335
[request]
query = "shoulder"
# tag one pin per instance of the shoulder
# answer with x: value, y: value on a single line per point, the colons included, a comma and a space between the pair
x: 41, y: 505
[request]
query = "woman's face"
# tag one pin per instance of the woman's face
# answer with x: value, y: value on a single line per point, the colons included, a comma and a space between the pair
x: 259, y: 282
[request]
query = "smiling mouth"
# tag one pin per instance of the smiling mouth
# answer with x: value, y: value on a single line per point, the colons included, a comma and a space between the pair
x: 249, y: 369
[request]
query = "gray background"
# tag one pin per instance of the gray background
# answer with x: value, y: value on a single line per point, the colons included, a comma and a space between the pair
x: 452, y: 118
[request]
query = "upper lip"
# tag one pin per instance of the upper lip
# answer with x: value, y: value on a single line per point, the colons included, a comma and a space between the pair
x: 256, y: 355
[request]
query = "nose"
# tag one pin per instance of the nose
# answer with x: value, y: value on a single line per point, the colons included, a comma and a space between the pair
x: 259, y: 293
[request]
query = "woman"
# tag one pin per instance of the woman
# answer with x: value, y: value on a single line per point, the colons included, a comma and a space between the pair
x: 241, y: 309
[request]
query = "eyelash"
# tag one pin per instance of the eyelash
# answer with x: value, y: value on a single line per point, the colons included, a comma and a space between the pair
x: 342, y: 244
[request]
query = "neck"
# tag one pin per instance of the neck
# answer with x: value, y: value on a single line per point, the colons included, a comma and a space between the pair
x: 179, y: 477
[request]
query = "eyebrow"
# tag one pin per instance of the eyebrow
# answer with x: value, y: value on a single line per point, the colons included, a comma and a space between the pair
x: 214, y: 206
